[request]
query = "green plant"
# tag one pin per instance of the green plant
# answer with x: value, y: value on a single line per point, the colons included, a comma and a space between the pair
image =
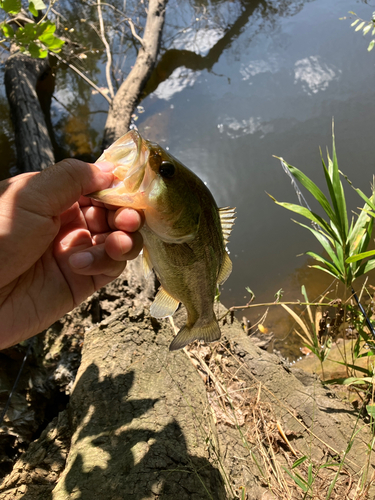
x: 344, y: 243
x: 365, y: 27
x: 31, y: 37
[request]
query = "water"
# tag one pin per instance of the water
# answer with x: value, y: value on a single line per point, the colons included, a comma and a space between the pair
x: 261, y: 79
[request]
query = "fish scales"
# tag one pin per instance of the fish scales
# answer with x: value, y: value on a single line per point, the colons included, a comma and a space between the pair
x: 184, y: 233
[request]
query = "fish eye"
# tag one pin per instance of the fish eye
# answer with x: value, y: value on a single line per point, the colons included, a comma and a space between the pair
x: 167, y: 169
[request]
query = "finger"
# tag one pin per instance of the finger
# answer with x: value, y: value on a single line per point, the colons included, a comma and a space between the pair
x: 56, y: 188
x: 95, y: 261
x: 127, y: 219
x: 123, y: 246
x: 96, y: 219
x: 98, y: 239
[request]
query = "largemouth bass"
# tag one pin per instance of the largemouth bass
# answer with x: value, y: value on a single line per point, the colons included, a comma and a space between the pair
x: 184, y: 234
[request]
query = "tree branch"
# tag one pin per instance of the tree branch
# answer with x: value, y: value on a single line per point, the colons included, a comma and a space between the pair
x: 128, y: 94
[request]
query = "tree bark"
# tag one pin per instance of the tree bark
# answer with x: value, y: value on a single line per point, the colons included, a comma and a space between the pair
x: 33, y: 143
x: 127, y: 96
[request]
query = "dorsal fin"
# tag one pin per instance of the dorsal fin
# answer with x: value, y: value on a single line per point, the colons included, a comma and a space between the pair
x: 227, y: 218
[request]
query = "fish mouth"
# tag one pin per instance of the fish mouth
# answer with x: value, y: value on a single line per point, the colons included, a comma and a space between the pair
x: 130, y: 155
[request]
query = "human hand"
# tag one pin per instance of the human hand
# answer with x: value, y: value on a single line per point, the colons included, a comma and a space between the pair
x: 56, y: 246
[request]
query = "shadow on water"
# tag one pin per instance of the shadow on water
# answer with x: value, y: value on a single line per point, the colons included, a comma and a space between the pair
x: 116, y: 462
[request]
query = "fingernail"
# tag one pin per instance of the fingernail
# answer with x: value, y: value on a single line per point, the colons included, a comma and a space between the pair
x: 81, y: 260
x: 105, y: 166
x: 125, y: 243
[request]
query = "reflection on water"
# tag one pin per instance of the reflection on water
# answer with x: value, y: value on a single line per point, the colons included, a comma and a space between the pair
x: 237, y: 82
x: 314, y: 75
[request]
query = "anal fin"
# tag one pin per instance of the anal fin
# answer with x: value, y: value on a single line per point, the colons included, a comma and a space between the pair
x: 164, y: 304
x: 186, y: 335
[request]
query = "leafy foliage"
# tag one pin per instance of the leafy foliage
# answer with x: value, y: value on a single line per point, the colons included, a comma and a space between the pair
x: 33, y: 38
x: 365, y: 27
x: 345, y: 244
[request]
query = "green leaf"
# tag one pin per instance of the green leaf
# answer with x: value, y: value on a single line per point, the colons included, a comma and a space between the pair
x: 325, y: 242
x: 12, y: 6
x: 33, y: 10
x: 310, y: 475
x: 46, y: 28
x: 56, y: 45
x: 300, y: 482
x: 334, y: 271
x: 312, y: 188
x: 366, y: 267
x: 371, y: 45
x: 339, y: 192
x: 8, y: 30
x: 299, y: 461
x: 305, y: 212
x: 30, y: 31
x: 360, y: 26
x: 360, y: 256
x: 355, y: 22
x: 36, y: 51
x: 349, y: 380
x: 325, y: 270
x: 353, y: 367
x: 371, y: 410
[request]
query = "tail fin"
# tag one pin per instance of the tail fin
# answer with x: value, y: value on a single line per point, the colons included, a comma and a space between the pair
x: 208, y: 333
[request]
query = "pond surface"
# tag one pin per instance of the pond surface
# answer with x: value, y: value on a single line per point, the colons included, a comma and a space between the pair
x: 260, y: 79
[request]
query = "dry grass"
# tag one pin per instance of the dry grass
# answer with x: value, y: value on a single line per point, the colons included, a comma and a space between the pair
x: 237, y: 405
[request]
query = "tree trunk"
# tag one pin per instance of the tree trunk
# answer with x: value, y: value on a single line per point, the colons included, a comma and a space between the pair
x: 127, y: 96
x: 33, y: 143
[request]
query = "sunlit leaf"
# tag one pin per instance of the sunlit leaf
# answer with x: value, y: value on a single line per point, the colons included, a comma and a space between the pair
x: 299, y: 321
x: 355, y: 22
x: 367, y: 28
x: 38, y: 4
x: 360, y: 26
x: 305, y: 212
x: 360, y: 256
x: 371, y: 45
x: 312, y: 188
x: 8, y: 30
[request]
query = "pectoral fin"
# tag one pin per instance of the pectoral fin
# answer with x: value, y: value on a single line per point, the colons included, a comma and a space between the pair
x: 187, y: 335
x: 225, y: 270
x: 164, y: 304
x: 146, y: 262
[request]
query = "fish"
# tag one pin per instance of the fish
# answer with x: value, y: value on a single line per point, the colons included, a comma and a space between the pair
x: 185, y: 233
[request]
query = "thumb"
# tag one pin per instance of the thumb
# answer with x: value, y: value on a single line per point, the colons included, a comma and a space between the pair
x: 56, y: 188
